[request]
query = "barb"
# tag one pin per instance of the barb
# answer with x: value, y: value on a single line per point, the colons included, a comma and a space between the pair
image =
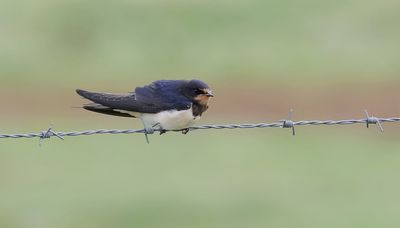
x: 281, y: 124
x: 373, y: 120
x: 47, y: 134
x: 289, y: 123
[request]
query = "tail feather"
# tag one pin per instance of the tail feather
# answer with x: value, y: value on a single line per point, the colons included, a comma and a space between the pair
x: 94, y: 107
x: 103, y: 97
x: 100, y: 100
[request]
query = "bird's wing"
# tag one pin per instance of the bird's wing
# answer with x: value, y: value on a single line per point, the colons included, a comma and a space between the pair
x: 164, y: 95
x: 156, y: 97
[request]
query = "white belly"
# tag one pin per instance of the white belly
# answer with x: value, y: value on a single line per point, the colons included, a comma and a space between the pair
x: 169, y: 120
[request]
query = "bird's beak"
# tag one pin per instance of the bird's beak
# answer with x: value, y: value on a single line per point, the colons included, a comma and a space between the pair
x: 209, y: 93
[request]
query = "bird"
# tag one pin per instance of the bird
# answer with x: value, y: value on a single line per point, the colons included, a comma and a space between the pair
x: 163, y: 105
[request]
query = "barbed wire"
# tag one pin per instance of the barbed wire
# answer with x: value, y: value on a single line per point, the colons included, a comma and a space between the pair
x: 288, y: 123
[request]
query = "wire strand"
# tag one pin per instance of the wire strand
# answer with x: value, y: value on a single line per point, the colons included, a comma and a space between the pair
x: 281, y: 124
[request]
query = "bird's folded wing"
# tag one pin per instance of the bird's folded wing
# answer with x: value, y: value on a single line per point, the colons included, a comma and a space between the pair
x: 129, y: 102
x: 164, y: 94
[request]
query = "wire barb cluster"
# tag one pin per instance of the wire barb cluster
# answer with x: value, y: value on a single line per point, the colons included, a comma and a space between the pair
x: 288, y: 123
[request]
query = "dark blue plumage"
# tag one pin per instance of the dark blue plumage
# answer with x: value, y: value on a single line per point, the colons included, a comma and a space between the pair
x: 161, y: 95
x: 164, y: 95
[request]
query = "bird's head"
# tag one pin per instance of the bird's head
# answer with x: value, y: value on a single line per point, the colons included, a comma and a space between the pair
x: 198, y: 92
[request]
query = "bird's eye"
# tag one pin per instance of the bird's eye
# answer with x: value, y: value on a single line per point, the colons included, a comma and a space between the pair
x: 199, y: 91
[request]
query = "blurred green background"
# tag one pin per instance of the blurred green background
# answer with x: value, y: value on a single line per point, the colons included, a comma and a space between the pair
x: 325, y: 59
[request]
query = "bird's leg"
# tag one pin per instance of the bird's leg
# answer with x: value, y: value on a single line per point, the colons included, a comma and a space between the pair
x: 162, y: 131
x: 185, y: 131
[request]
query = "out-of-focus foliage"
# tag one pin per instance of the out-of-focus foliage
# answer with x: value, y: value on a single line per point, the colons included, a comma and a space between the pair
x: 261, y: 57
x: 68, y: 41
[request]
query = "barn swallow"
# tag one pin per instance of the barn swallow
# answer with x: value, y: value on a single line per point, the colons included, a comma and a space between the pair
x: 165, y: 104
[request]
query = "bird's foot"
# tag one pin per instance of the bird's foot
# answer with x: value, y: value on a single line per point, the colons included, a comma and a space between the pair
x: 159, y: 128
x: 185, y: 131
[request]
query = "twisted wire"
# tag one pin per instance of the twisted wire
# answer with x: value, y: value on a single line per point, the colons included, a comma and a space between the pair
x: 281, y: 124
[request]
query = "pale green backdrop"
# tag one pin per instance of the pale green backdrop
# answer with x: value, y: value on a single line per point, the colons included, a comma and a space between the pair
x: 326, y: 59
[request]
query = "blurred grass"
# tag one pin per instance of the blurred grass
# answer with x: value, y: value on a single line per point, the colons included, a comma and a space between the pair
x: 267, y: 179
x: 324, y: 177
x: 71, y: 42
